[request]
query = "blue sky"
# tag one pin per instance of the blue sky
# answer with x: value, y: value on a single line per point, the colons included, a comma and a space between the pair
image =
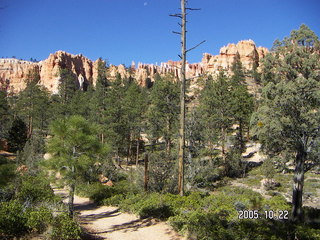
x: 141, y: 30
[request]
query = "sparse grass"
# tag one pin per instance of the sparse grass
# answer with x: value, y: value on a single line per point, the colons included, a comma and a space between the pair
x: 255, y: 171
x: 311, y: 186
x: 253, y: 182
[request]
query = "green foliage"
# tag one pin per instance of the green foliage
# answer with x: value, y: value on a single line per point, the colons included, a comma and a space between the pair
x: 32, y: 104
x: 162, y: 172
x: 115, y: 116
x: 7, y: 171
x: 35, y: 189
x: 17, y: 135
x: 65, y: 228
x: 38, y: 219
x: 163, y: 110
x: 268, y: 169
x: 215, y: 109
x: 73, y: 146
x: 233, y: 164
x: 4, y: 112
x: 277, y: 203
x: 12, y: 218
x: 68, y: 85
x: 287, y: 119
x: 154, y: 206
x: 101, y: 194
x: 242, y: 103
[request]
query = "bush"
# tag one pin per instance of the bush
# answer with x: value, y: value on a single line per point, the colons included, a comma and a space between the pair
x: 35, y: 190
x: 38, y: 219
x: 201, y: 225
x: 12, y: 218
x: 65, y: 228
x: 7, y: 171
x: 101, y: 194
x: 277, y: 203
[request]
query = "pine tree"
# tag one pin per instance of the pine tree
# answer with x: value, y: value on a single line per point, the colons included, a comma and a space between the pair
x: 163, y: 110
x: 32, y: 104
x: 99, y: 96
x: 215, y: 107
x: 17, y: 136
x: 135, y: 102
x: 289, y: 115
x: 4, y: 113
x: 68, y: 86
x: 116, y: 117
x: 241, y: 103
x: 74, y: 146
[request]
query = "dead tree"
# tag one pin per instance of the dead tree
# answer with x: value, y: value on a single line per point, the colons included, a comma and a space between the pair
x: 183, y: 57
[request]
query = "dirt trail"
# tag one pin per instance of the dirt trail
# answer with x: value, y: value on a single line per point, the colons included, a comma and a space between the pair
x: 106, y: 222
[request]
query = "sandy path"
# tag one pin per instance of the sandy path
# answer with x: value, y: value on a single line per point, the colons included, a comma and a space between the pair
x: 106, y: 222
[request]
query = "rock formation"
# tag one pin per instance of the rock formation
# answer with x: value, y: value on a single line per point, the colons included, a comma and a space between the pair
x: 246, y: 50
x: 14, y: 71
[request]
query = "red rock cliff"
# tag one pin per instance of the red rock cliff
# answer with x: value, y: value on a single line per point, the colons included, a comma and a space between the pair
x: 86, y: 70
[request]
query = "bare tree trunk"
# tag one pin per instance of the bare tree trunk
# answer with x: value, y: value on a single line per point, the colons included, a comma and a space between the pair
x: 242, y: 144
x: 223, y: 140
x: 182, y: 100
x: 137, y: 152
x: 30, y: 127
x: 71, y: 199
x: 146, y: 160
x: 297, y: 211
x: 129, y: 149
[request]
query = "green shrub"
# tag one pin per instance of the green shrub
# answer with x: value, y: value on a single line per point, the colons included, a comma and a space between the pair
x: 38, y: 219
x: 7, y: 193
x: 100, y: 193
x: 114, y: 200
x: 277, y: 203
x: 35, y: 189
x: 7, y: 171
x: 304, y: 232
x: 201, y: 225
x: 65, y: 228
x: 12, y: 218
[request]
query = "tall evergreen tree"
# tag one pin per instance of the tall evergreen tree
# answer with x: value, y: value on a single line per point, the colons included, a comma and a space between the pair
x: 242, y: 103
x: 115, y: 117
x: 4, y: 113
x: 99, y: 99
x: 135, y: 102
x: 163, y: 110
x: 74, y: 146
x: 68, y: 86
x: 289, y: 115
x: 215, y: 107
x: 17, y: 136
x: 32, y: 103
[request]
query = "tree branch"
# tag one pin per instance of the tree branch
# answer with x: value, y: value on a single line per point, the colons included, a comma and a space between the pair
x: 178, y: 15
x: 193, y: 9
x: 196, y: 46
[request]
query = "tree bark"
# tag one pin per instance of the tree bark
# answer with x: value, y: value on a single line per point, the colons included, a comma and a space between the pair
x: 146, y: 160
x: 297, y: 211
x: 223, y: 140
x: 182, y: 100
x: 137, y: 153
x: 71, y: 199
x: 242, y: 145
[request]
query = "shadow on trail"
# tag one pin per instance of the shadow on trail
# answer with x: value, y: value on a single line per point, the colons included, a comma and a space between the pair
x: 96, y: 216
x: 132, y: 225
x: 83, y: 207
